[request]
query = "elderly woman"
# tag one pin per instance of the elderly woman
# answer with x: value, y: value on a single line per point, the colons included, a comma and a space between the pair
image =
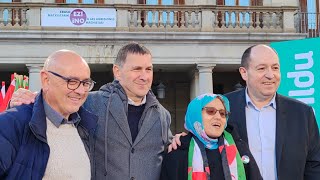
x: 211, y: 150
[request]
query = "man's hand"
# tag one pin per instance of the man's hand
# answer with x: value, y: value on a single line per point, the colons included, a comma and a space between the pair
x: 22, y: 96
x: 176, y: 141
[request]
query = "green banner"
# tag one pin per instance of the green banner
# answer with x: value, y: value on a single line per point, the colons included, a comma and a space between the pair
x: 300, y: 66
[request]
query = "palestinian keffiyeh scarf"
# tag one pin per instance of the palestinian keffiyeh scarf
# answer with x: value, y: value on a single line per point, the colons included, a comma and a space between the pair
x: 198, y: 167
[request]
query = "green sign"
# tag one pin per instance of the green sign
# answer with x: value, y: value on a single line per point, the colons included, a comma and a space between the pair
x: 300, y: 66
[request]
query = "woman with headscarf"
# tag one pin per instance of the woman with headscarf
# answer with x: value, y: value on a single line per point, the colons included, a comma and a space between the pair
x: 211, y: 150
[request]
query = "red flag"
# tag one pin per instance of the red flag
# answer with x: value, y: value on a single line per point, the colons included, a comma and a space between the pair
x: 26, y: 82
x: 3, y: 92
x: 9, y: 93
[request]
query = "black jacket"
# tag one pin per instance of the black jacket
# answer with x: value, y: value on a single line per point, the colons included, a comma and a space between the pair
x: 297, y: 135
x: 175, y: 163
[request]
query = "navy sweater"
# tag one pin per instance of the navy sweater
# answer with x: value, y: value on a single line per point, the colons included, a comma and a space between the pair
x: 134, y: 116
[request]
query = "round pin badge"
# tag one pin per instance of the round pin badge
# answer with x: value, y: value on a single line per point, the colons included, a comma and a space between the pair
x: 245, y: 159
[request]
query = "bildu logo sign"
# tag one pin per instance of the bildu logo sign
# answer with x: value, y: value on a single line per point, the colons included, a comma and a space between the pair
x: 300, y: 64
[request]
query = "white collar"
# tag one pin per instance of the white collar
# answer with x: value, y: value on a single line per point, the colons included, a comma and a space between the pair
x: 272, y: 102
x: 131, y: 102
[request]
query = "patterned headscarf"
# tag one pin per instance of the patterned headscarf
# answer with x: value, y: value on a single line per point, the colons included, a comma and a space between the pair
x: 193, y: 118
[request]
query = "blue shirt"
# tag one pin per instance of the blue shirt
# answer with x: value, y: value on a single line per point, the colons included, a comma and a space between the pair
x: 57, y: 119
x: 261, y: 129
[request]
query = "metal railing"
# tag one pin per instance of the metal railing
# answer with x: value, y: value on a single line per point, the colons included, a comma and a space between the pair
x: 308, y: 23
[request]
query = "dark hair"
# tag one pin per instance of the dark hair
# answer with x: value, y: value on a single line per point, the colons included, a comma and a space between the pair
x: 131, y: 48
x: 245, y: 59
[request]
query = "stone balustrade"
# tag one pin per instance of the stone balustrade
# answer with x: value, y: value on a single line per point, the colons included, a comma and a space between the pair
x: 157, y: 18
x: 248, y: 19
x: 13, y: 15
x: 196, y: 18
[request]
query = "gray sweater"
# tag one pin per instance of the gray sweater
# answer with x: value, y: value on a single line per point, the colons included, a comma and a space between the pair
x: 125, y: 159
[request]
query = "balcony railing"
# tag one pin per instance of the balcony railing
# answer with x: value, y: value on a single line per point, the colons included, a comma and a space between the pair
x: 11, y: 15
x: 165, y: 18
x: 308, y: 23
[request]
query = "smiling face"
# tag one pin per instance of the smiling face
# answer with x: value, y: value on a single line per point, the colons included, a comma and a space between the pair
x: 262, y: 74
x: 214, y: 124
x: 135, y: 75
x: 55, y: 90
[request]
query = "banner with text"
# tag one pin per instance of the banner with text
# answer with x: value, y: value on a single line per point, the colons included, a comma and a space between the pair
x: 78, y: 17
x: 300, y: 66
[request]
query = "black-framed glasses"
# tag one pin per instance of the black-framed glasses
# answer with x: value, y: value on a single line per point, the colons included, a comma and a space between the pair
x: 74, y: 84
x: 212, y: 111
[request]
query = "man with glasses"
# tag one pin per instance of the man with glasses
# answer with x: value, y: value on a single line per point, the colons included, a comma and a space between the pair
x: 133, y: 128
x: 282, y: 133
x: 73, y: 84
x: 49, y: 139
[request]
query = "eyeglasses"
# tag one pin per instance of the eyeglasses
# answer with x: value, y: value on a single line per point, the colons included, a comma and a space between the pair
x: 74, y: 84
x: 212, y: 111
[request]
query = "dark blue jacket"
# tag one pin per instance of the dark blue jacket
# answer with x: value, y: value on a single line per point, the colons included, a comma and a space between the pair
x: 297, y: 136
x: 24, y: 151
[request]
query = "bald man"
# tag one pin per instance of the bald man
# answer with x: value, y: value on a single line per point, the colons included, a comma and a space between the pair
x: 282, y: 132
x: 49, y: 139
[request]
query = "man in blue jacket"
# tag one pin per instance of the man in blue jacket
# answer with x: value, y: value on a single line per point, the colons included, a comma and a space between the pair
x: 49, y: 139
x: 133, y: 128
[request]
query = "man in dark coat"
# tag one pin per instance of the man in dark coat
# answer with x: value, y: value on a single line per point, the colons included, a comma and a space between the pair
x: 133, y: 128
x: 282, y: 133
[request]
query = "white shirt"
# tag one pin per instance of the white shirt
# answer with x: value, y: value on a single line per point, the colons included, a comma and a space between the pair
x: 261, y: 130
x: 131, y: 102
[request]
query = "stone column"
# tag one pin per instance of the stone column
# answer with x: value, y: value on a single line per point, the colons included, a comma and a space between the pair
x: 122, y: 20
x: 34, y: 14
x: 194, y: 85
x: 122, y: 14
x: 288, y: 22
x: 205, y: 78
x: 34, y: 76
x: 207, y: 20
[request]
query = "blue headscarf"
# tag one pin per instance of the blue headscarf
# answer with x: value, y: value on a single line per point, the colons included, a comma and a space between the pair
x: 193, y: 118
